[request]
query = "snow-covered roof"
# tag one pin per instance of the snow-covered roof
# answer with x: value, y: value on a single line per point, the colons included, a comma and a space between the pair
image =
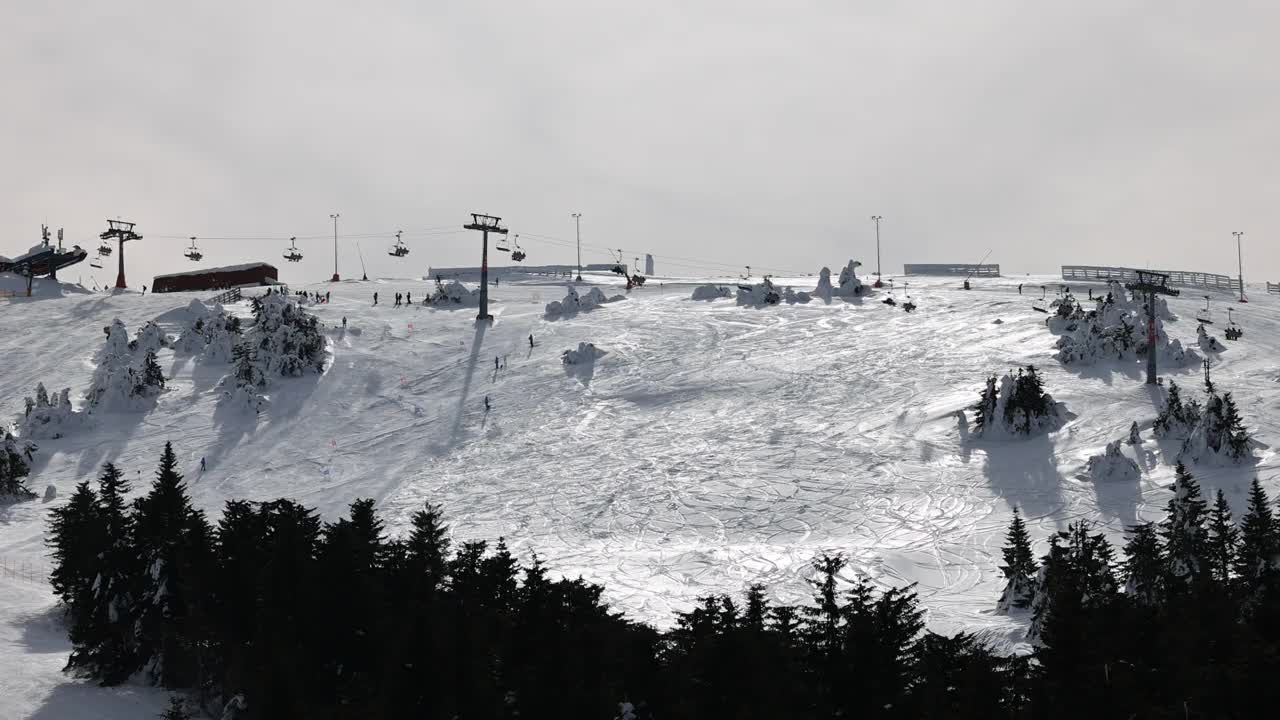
x: 228, y: 268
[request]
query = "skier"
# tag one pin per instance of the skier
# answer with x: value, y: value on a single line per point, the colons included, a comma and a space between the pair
x: 408, y: 298
x: 530, y: 340
x: 495, y: 362
x: 375, y: 298
x: 144, y: 289
x: 486, y: 403
x: 1090, y: 293
x: 326, y: 297
x: 1019, y: 288
x: 344, y: 322
x: 201, y: 464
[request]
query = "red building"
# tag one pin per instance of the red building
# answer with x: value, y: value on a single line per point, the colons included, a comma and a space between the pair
x: 216, y: 278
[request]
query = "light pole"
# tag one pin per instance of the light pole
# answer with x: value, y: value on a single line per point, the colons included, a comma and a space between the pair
x: 877, y: 219
x: 335, y: 247
x: 1240, y: 258
x: 577, y: 228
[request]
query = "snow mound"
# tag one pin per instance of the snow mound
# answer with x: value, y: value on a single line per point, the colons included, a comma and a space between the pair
x: 710, y: 292
x: 791, y: 297
x: 585, y: 354
x: 574, y: 303
x: 1112, y: 465
x: 48, y: 418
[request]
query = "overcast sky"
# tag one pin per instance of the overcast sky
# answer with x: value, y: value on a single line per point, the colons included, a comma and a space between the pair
x: 724, y: 133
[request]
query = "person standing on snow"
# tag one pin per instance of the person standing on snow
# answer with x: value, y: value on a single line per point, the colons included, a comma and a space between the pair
x: 486, y: 403
x: 375, y: 298
x: 344, y: 322
x: 408, y: 298
x: 530, y: 340
x: 201, y: 464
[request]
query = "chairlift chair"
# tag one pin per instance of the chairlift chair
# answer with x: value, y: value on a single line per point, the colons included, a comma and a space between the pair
x: 399, y: 249
x: 94, y: 262
x: 618, y: 268
x: 500, y: 244
x: 193, y: 253
x: 104, y: 249
x: 1038, y: 305
x: 517, y: 254
x: 292, y: 253
x: 910, y: 304
x: 1204, y: 316
x: 889, y: 300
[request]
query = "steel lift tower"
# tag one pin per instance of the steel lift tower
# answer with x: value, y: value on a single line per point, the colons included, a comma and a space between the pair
x: 1151, y: 284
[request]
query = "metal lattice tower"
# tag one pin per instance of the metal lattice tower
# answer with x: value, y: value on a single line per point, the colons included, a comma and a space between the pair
x: 1151, y: 284
x: 485, y: 224
x: 122, y: 232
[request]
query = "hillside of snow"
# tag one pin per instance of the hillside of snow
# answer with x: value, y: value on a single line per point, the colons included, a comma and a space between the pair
x: 708, y: 445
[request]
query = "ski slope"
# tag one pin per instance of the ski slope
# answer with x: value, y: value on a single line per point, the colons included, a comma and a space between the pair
x: 712, y: 446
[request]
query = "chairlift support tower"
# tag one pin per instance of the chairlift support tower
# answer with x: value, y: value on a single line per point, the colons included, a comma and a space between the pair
x: 485, y: 224
x: 121, y: 231
x: 1151, y: 284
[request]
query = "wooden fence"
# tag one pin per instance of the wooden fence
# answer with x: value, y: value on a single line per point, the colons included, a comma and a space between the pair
x: 1181, y: 278
x: 230, y: 296
x: 1273, y: 288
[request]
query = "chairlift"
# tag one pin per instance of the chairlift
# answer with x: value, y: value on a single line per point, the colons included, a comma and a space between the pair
x: 1038, y: 305
x: 1204, y: 316
x: 500, y: 243
x: 748, y: 275
x: 517, y: 254
x: 910, y: 304
x: 1232, y: 331
x: 193, y: 253
x: 399, y: 249
x: 94, y: 262
x: 618, y: 267
x: 104, y: 249
x: 291, y: 253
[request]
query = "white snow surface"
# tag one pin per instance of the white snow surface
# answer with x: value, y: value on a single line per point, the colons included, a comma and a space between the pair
x: 722, y: 446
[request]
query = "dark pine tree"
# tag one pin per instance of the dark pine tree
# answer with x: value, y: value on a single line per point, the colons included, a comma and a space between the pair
x: 1223, y: 541
x: 1144, y: 566
x: 1183, y: 532
x: 168, y: 540
x: 984, y: 411
x: 106, y: 649
x: 177, y: 710
x: 152, y: 375
x: 1237, y: 435
x: 76, y: 538
x: 1259, y: 539
x: 1019, y: 567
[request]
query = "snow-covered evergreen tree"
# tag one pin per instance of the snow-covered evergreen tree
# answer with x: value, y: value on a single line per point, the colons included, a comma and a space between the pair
x: 1212, y: 434
x: 1114, y: 330
x: 1207, y: 342
x: 1019, y: 407
x: 1258, y: 555
x: 1019, y: 568
x: 824, y: 290
x: 1112, y: 466
x: 849, y: 285
x: 757, y: 294
x: 1135, y: 438
x: 710, y: 292
x: 574, y: 303
x: 48, y: 417
x: 15, y: 465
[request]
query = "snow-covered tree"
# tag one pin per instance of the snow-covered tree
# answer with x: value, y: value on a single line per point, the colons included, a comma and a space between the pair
x: 1135, y: 438
x: 824, y: 289
x: 1114, y: 330
x: 710, y: 292
x: 1258, y: 555
x: 1112, y: 466
x: 574, y: 303
x: 46, y: 416
x: 850, y: 285
x: 1207, y: 342
x: 757, y: 294
x: 15, y: 465
x: 1019, y: 407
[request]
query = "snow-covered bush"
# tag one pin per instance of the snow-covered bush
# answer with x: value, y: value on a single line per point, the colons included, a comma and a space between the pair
x: 47, y: 417
x: 1114, y: 330
x: 575, y: 303
x: 850, y: 285
x: 242, y: 390
x: 1018, y: 407
x: 1207, y: 342
x: 761, y: 293
x: 791, y: 297
x: 710, y: 292
x: 1112, y: 465
x: 150, y: 338
x: 454, y: 293
x: 1213, y: 433
x: 586, y: 353
x: 15, y: 465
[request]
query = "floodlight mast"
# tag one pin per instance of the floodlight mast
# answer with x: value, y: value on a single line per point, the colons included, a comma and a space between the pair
x: 877, y: 219
x: 1151, y: 284
x: 485, y: 224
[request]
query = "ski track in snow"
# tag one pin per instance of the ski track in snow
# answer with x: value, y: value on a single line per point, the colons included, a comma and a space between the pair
x: 712, y: 446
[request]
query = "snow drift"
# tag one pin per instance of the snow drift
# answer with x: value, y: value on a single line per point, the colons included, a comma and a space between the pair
x: 575, y: 303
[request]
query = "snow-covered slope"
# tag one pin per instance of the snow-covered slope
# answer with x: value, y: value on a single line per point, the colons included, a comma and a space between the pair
x: 714, y: 445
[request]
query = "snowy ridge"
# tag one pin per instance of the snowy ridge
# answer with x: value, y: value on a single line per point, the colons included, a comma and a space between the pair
x: 714, y: 445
